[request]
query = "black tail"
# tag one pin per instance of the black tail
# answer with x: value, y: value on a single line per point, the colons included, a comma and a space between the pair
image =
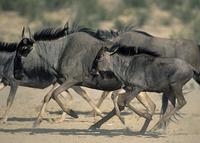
x: 165, y: 99
x: 164, y: 104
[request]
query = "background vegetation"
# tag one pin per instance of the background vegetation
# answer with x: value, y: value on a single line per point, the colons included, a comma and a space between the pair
x: 177, y: 18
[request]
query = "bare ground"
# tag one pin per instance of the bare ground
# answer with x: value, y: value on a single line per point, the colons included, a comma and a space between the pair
x: 26, y: 106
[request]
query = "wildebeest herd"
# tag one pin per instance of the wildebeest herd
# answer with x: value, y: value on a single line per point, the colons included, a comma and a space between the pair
x: 126, y: 61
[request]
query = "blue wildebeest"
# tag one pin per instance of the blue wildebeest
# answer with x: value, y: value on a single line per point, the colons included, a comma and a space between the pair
x: 144, y: 73
x: 37, y: 73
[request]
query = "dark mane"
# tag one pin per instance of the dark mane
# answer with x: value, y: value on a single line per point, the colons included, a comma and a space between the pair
x: 53, y: 33
x: 76, y: 28
x: 8, y: 47
x: 50, y: 33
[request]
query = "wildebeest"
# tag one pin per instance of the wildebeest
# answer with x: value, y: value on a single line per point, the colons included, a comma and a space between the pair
x: 184, y: 49
x: 145, y: 73
x: 36, y: 71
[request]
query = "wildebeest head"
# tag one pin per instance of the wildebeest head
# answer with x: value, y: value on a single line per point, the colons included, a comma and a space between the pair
x: 24, y: 47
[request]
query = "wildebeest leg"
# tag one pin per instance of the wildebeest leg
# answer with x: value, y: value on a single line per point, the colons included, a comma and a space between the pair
x: 83, y: 94
x: 42, y: 110
x: 131, y: 94
x: 105, y: 119
x: 130, y: 97
x: 175, y: 92
x: 150, y: 106
x: 146, y: 101
x: 13, y: 90
x: 102, y: 98
x: 63, y: 116
x: 66, y: 85
x: 114, y: 98
x: 2, y: 86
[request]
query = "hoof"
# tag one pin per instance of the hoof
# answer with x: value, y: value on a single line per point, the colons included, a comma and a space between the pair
x: 36, y: 123
x: 72, y: 114
x: 93, y: 128
x: 142, y: 132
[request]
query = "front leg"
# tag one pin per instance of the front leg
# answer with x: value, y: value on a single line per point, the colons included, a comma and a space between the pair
x: 11, y: 97
x: 65, y: 86
x: 47, y: 98
x: 114, y: 96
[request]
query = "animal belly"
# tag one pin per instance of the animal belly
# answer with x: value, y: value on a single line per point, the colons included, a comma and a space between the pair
x: 102, y: 84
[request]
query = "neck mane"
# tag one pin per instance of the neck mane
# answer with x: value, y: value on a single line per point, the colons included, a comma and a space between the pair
x: 8, y: 47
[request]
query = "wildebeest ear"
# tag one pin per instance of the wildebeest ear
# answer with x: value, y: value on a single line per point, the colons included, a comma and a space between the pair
x: 23, y: 30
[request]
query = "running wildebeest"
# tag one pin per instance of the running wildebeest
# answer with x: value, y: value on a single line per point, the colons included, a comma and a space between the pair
x: 144, y: 73
x: 186, y: 50
x: 37, y: 73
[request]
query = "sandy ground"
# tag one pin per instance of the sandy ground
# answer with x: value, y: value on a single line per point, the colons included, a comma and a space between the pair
x: 28, y: 101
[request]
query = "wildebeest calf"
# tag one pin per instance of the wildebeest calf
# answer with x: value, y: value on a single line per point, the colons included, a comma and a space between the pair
x: 146, y: 73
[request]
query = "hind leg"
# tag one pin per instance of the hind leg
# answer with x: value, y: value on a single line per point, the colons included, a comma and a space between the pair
x: 102, y: 98
x: 150, y: 106
x: 85, y: 96
x: 131, y: 94
x: 146, y: 101
x: 176, y: 91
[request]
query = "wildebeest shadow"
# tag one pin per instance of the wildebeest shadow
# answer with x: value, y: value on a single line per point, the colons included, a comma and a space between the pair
x: 100, y: 132
x: 89, y: 113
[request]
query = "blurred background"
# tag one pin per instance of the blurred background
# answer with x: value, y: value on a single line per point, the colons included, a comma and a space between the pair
x: 163, y: 18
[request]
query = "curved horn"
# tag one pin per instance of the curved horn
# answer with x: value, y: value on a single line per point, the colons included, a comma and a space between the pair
x: 30, y: 34
x: 23, y: 31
